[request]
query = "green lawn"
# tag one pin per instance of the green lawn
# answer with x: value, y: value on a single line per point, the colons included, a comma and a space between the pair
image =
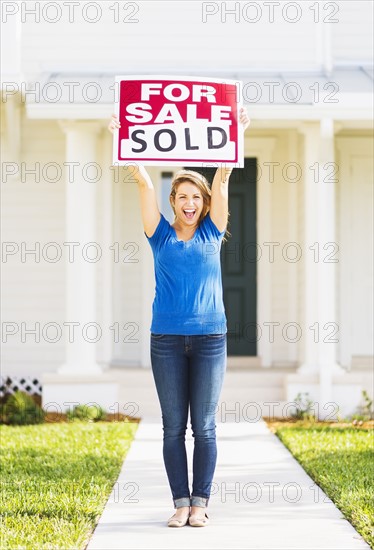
x: 56, y: 479
x: 341, y: 462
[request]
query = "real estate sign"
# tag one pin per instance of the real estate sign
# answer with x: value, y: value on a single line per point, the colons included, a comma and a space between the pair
x: 178, y: 120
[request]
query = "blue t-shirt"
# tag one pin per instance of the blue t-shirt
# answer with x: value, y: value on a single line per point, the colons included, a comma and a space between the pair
x: 188, y: 297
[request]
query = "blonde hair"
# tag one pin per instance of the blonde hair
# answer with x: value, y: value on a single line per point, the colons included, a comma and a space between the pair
x: 202, y: 183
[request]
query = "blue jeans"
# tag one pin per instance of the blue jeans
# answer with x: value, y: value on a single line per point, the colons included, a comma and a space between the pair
x: 189, y: 372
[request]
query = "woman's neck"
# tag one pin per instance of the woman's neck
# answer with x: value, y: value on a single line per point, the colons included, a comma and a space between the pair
x: 186, y: 230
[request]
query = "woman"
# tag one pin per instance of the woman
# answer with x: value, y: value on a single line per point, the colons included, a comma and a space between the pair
x: 188, y: 331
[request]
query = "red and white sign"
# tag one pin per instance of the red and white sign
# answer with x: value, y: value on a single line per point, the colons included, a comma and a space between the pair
x: 178, y: 120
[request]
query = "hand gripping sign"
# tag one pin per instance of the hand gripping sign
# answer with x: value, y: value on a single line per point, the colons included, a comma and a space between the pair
x: 178, y: 120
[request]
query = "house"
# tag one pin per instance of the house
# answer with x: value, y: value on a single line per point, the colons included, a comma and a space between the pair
x: 78, y: 279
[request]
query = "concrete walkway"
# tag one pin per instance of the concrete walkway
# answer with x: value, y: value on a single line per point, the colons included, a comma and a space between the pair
x: 261, y: 499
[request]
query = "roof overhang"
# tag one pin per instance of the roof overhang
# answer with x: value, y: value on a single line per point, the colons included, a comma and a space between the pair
x: 346, y: 94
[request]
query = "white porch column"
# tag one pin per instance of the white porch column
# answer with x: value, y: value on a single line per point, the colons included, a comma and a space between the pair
x: 329, y: 256
x: 311, y: 133
x: 81, y: 380
x: 263, y: 149
x: 107, y: 215
x: 293, y: 236
x: 81, y: 192
x: 321, y: 254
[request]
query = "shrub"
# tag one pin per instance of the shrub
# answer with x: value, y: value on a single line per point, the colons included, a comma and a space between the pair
x: 21, y: 409
x: 364, y: 412
x: 88, y: 413
x: 304, y: 408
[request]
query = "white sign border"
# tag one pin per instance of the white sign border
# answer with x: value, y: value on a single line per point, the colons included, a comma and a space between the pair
x: 117, y: 162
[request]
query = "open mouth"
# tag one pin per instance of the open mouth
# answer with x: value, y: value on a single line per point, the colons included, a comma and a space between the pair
x: 189, y: 214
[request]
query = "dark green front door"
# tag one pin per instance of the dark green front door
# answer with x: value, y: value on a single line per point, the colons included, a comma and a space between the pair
x: 238, y: 259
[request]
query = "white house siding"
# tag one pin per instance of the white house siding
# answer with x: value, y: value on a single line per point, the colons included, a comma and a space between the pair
x: 362, y: 230
x: 163, y: 40
x: 282, y: 351
x: 338, y: 236
x: 288, y: 277
x: 246, y: 44
x: 301, y: 240
x: 34, y: 291
x: 352, y: 36
x: 355, y: 238
x: 128, y: 272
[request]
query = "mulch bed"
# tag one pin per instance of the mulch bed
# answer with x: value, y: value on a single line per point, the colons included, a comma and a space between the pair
x: 274, y: 423
x: 52, y: 417
x: 110, y: 417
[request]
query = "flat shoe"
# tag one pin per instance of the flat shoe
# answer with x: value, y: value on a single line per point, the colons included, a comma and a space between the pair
x: 196, y: 521
x: 174, y: 522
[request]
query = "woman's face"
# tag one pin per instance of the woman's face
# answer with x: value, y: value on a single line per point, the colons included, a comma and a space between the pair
x: 188, y: 204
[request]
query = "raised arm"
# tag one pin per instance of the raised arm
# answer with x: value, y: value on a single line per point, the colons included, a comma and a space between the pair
x: 219, y: 205
x: 148, y: 201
